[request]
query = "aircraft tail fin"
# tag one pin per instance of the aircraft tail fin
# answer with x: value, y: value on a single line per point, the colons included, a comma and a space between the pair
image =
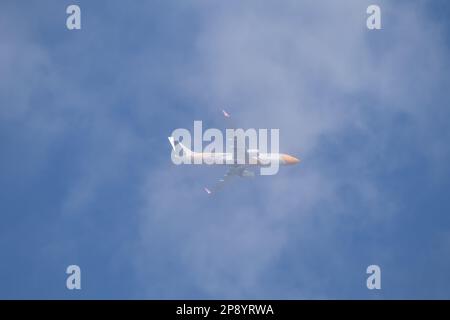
x: 174, y: 143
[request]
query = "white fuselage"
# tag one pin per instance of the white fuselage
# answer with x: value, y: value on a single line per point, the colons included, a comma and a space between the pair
x: 259, y: 159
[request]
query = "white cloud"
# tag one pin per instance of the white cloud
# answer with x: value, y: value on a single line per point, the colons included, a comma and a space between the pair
x: 311, y: 70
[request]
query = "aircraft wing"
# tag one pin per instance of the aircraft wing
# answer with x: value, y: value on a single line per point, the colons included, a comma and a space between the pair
x: 237, y: 151
x: 222, y: 181
x: 234, y: 170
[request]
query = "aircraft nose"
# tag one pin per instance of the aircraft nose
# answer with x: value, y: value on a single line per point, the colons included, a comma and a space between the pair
x: 290, y: 159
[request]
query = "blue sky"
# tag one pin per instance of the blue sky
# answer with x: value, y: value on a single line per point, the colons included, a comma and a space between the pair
x: 86, y: 176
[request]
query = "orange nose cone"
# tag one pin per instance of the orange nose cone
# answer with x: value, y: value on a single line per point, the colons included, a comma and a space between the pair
x: 290, y: 159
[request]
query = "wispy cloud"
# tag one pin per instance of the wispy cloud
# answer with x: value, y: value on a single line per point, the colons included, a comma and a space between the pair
x: 340, y: 94
x: 86, y: 116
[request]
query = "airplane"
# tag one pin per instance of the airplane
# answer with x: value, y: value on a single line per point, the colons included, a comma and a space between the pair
x: 230, y: 159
